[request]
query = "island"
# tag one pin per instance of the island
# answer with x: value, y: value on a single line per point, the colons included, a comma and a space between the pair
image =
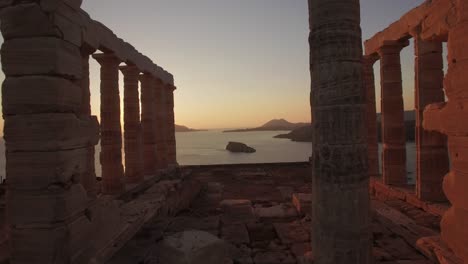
x: 272, y: 125
x: 238, y: 147
x: 304, y: 133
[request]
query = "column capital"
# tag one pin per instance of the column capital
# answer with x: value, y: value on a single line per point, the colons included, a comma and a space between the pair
x: 369, y: 60
x: 130, y: 70
x: 392, y: 46
x: 107, y: 59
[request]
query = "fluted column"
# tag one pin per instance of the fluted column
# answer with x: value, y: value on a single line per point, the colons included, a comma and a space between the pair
x: 148, y: 124
x: 431, y: 147
x: 371, y: 115
x: 340, y: 181
x: 161, y: 126
x: 170, y: 126
x: 393, y: 119
x: 132, y: 128
x: 88, y: 180
x: 111, y: 132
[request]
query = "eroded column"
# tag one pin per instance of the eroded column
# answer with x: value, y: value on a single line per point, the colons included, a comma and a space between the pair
x: 148, y: 124
x: 170, y: 126
x: 111, y: 131
x: 371, y: 115
x: 46, y: 136
x: 161, y: 126
x: 132, y: 128
x: 340, y: 181
x: 393, y: 116
x: 450, y: 118
x: 431, y: 147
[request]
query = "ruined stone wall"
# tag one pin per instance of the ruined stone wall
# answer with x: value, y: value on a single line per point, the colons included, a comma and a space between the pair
x: 53, y: 211
x: 431, y: 24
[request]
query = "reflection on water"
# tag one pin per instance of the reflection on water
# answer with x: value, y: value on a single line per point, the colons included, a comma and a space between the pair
x: 208, y: 147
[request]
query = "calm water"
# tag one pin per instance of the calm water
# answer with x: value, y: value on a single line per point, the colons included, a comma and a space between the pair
x: 208, y: 147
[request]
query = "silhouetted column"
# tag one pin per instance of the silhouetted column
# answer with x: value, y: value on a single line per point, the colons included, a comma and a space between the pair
x: 132, y: 128
x: 371, y: 115
x: 161, y: 126
x: 148, y: 124
x: 431, y: 147
x: 88, y: 179
x: 393, y: 117
x: 111, y: 132
x: 340, y: 181
x: 170, y: 126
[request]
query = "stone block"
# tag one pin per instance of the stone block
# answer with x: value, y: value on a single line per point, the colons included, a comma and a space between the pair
x: 41, y: 56
x: 236, y: 234
x: 52, y: 205
x: 50, y: 132
x: 269, y: 257
x: 57, y: 243
x: 39, y: 170
x: 26, y: 20
x: 277, y: 211
x: 455, y: 81
x: 40, y: 94
x: 192, y: 247
x: 302, y: 202
x: 291, y: 233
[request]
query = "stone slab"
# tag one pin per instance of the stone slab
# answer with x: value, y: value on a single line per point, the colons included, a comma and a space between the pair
x: 41, y: 56
x: 50, y: 132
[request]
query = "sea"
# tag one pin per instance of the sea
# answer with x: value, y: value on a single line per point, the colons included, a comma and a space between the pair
x: 209, y: 147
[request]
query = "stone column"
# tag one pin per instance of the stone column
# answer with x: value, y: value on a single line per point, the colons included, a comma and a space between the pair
x: 148, y: 124
x: 170, y: 126
x: 111, y: 131
x: 450, y: 118
x: 431, y: 147
x: 46, y: 137
x: 132, y: 128
x: 160, y: 115
x: 340, y: 181
x: 393, y: 117
x: 371, y: 115
x: 89, y: 178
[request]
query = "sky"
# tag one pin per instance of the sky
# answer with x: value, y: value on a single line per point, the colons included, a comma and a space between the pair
x: 236, y: 63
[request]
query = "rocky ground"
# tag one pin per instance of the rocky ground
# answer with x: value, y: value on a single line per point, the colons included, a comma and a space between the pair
x: 263, y: 212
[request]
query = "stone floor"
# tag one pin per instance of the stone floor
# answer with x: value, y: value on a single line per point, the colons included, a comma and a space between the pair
x: 263, y: 211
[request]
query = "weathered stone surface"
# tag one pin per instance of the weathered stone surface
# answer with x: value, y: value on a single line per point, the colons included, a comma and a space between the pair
x: 26, y: 20
x: 291, y: 233
x: 340, y: 175
x: 49, y: 132
x: 41, y: 56
x: 237, y: 211
x: 277, y: 211
x: 148, y: 124
x: 235, y: 234
x: 48, y: 206
x: 58, y: 243
x: 269, y: 257
x: 192, y: 247
x: 40, y: 94
x: 40, y: 170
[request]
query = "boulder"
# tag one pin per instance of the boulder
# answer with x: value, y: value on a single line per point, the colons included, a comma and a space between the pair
x: 239, y: 147
x: 193, y: 247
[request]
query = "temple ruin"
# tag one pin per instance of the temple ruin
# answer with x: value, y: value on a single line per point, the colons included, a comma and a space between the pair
x: 350, y: 211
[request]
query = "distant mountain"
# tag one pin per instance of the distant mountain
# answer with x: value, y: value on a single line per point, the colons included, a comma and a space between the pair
x: 272, y: 125
x: 179, y: 128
